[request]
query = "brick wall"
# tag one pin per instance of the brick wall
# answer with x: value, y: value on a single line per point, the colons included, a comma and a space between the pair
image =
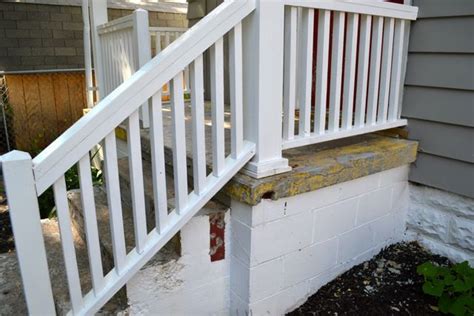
x: 36, y: 36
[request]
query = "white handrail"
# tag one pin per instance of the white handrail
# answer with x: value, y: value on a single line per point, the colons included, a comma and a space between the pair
x: 64, y: 152
x: 371, y: 7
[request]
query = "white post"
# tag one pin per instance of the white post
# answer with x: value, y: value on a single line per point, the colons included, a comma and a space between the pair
x: 142, y: 47
x: 263, y: 87
x: 26, y: 225
x: 87, y: 54
x: 98, y: 17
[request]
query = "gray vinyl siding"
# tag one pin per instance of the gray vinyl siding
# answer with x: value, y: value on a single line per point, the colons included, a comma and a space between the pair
x: 439, y: 94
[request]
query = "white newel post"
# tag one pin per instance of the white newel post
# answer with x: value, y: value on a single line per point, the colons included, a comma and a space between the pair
x: 98, y: 15
x: 26, y: 225
x: 142, y: 46
x: 263, y: 40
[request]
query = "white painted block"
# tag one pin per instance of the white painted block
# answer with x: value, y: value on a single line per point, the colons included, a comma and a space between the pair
x: 280, y: 237
x: 195, y: 236
x: 308, y: 262
x: 461, y: 233
x: 395, y: 175
x: 374, y: 204
x: 429, y: 221
x: 240, y: 279
x: 355, y: 242
x: 400, y: 196
x: 385, y: 228
x: 282, y: 302
x: 334, y: 219
x: 266, y: 279
x: 241, y: 240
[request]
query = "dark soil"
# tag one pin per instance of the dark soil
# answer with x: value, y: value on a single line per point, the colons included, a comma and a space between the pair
x: 386, y: 285
x: 6, y: 235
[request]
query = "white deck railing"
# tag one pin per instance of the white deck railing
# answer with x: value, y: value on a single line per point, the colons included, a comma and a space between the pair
x: 268, y: 49
x: 360, y: 58
x: 162, y: 37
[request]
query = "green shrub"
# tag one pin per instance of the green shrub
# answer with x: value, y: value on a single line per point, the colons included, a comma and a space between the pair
x: 453, y: 286
x: 46, y: 200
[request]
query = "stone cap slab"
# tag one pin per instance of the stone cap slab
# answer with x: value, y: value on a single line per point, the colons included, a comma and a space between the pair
x: 318, y: 166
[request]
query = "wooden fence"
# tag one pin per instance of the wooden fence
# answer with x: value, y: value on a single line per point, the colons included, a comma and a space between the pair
x: 44, y: 106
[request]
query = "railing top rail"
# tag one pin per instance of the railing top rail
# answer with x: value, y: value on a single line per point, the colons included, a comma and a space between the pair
x: 369, y: 7
x: 76, y: 142
x: 167, y: 29
x: 115, y: 25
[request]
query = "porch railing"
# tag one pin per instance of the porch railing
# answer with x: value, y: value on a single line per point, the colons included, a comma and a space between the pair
x: 358, y: 82
x: 352, y: 82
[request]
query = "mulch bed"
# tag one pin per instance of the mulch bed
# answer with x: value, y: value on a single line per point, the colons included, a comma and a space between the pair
x: 386, y: 285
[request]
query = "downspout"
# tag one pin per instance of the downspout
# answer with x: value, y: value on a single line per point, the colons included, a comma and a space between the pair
x: 87, y: 54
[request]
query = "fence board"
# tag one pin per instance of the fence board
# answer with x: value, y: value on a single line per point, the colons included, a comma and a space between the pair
x: 44, y: 106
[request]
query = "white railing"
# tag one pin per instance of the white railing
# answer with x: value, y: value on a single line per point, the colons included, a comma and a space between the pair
x: 268, y: 49
x: 162, y: 37
x: 25, y: 179
x: 360, y: 58
x: 124, y: 48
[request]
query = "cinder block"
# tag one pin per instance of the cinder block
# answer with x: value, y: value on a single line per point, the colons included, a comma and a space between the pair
x: 3, y: 52
x: 281, y: 237
x: 41, y: 33
x: 27, y: 25
x: 395, y: 175
x: 24, y: 51
x: 30, y: 42
x: 308, y: 262
x: 7, y: 24
x: 48, y: 25
x: 42, y: 51
x: 241, y: 238
x: 53, y: 42
x: 281, y: 303
x: 266, y: 279
x: 195, y: 236
x: 335, y: 219
x: 32, y: 61
x: 72, y: 26
x: 400, y: 197
x: 239, y: 279
x: 355, y: 242
x: 14, y: 15
x: 64, y: 51
x: 374, y: 204
x: 70, y: 9
x: 61, y: 17
x: 37, y: 15
x: 17, y: 33
x: 9, y: 43
x: 74, y: 43
x: 385, y: 228
x: 63, y: 34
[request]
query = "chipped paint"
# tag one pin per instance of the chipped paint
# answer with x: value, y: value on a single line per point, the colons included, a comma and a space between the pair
x: 315, y: 168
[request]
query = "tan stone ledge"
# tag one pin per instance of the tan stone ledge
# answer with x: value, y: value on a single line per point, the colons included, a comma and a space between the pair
x: 318, y: 166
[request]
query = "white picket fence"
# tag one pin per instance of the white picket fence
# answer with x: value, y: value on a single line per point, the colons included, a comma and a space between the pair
x: 268, y: 49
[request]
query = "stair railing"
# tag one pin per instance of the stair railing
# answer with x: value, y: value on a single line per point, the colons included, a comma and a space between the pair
x: 26, y: 179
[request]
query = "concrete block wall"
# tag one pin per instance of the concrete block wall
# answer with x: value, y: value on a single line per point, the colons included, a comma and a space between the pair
x: 285, y: 250
x: 442, y: 221
x: 188, y: 285
x: 41, y: 37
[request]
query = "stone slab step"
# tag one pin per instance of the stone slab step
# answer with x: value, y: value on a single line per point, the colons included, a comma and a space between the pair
x: 12, y: 300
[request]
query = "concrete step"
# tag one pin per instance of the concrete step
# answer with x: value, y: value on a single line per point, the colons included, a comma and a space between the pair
x: 12, y: 300
x: 167, y: 135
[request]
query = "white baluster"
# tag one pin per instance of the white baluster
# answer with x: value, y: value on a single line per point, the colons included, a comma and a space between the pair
x: 363, y: 69
x: 374, y: 78
x: 350, y: 70
x: 322, y: 71
x: 336, y: 71
x: 387, y: 53
x: 289, y: 91
x: 236, y: 90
